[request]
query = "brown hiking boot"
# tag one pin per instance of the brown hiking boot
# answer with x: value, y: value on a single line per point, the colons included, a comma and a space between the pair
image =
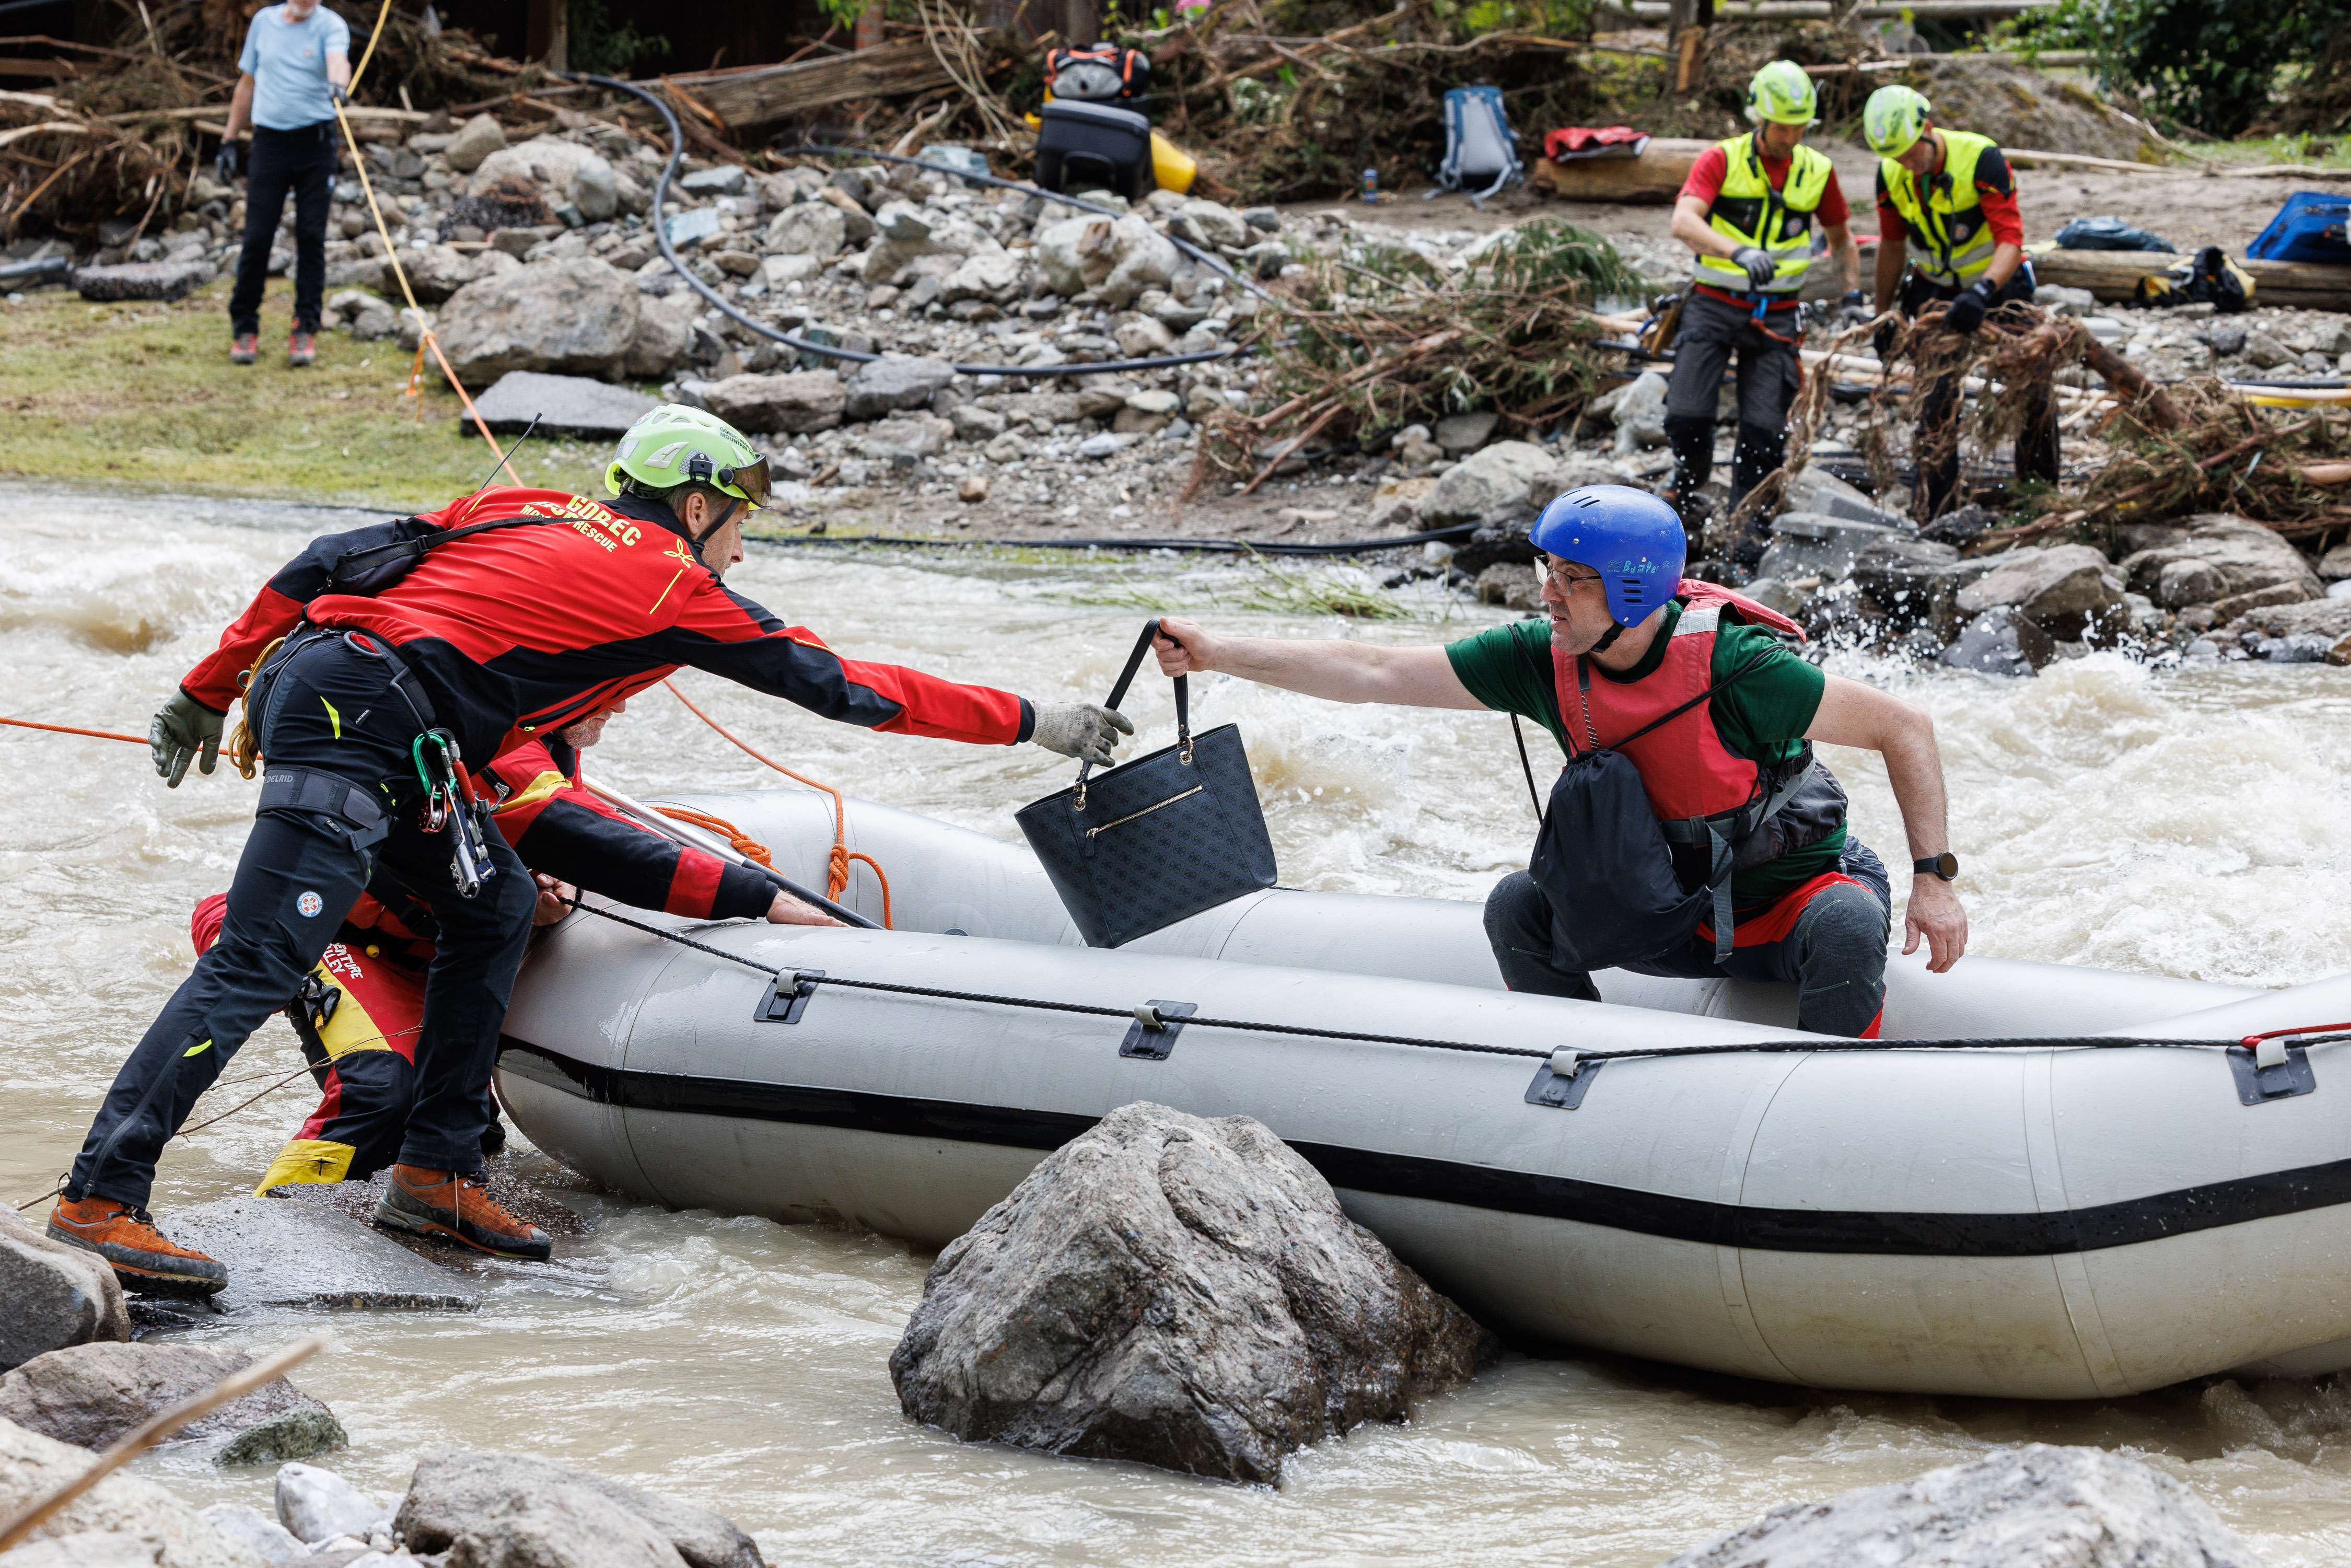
x: 143, y: 1259
x: 301, y: 350
x: 448, y: 1203
x: 245, y: 348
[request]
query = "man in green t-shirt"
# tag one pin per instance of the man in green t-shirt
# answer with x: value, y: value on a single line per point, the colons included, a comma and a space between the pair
x: 1691, y: 833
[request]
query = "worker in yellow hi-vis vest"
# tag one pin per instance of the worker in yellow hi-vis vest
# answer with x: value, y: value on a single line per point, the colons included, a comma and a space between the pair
x: 1747, y: 210
x: 1948, y: 234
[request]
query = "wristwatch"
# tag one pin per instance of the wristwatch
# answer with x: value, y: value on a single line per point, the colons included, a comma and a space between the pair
x: 1944, y: 865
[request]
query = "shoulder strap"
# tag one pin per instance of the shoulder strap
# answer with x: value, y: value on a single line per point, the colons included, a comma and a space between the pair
x: 1759, y: 657
x: 1118, y: 695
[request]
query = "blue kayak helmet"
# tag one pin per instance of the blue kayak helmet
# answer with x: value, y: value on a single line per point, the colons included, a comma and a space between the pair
x: 1632, y: 538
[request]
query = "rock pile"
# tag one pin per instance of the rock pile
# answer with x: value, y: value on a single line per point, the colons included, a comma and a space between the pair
x: 1181, y: 1292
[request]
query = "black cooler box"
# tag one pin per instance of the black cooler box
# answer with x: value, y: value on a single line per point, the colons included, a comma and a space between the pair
x: 1088, y: 146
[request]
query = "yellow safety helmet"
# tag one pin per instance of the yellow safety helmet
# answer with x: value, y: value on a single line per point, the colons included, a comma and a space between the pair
x: 1783, y: 94
x: 1893, y: 119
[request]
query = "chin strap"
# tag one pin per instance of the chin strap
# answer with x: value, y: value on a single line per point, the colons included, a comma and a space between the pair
x: 1608, y: 638
x: 698, y: 540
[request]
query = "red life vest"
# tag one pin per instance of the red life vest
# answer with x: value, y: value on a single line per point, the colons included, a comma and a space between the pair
x: 1684, y: 766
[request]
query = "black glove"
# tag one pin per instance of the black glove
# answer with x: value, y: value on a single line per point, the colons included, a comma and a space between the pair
x: 1761, y: 268
x: 1966, y: 313
x: 224, y: 163
x: 1882, y: 341
x: 338, y: 97
x: 184, y: 728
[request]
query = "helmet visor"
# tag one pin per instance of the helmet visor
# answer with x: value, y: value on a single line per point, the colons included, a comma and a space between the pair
x: 752, y: 480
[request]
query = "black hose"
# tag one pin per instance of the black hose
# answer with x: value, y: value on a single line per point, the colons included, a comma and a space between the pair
x: 669, y: 254
x: 1182, y: 546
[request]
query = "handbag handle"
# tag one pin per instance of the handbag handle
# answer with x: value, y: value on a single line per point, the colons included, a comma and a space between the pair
x: 1118, y: 695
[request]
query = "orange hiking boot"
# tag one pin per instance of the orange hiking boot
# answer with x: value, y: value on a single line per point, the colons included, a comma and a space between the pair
x: 447, y: 1203
x: 301, y: 350
x: 244, y: 348
x: 143, y: 1259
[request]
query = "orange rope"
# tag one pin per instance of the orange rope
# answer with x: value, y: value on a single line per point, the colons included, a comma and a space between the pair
x: 836, y: 876
x: 68, y: 729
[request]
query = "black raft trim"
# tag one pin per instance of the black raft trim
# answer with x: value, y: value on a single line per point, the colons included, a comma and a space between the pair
x: 1890, y: 1234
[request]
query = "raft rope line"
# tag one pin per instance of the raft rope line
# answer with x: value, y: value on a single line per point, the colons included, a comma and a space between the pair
x: 1150, y: 1016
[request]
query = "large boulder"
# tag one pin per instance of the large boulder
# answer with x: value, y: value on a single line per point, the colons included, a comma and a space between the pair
x: 2067, y: 590
x: 316, y: 1505
x: 2215, y: 556
x: 1488, y: 487
x: 581, y: 175
x: 475, y: 141
x: 882, y: 386
x: 1910, y: 584
x: 90, y: 1549
x: 32, y: 1466
x: 802, y: 402
x: 142, y: 279
x: 664, y: 341
x: 439, y: 271
x: 1181, y: 1292
x: 1118, y: 258
x: 57, y: 1295
x: 91, y: 1394
x: 558, y: 406
x: 454, y: 1493
x: 566, y: 1528
x: 813, y: 229
x: 579, y: 316
x: 2029, y: 1507
x: 2000, y: 642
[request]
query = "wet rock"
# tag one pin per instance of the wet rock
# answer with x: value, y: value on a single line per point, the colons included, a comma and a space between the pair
x: 2325, y: 617
x: 90, y: 1549
x: 282, y: 1253
x: 452, y: 1491
x: 563, y: 407
x: 1911, y: 582
x: 91, y: 1394
x: 142, y: 279
x: 1395, y: 505
x: 56, y: 1295
x: 1513, y: 586
x: 475, y: 141
x: 1209, y: 225
x: 815, y: 229
x: 1181, y: 1292
x: 31, y: 1466
x: 276, y: 1544
x: 296, y: 1435
x: 2244, y: 556
x: 2236, y: 606
x: 2034, y: 1506
x: 1488, y: 486
x: 316, y: 1505
x: 439, y: 271
x: 1819, y: 491
x: 1806, y: 544
x: 1458, y: 434
x: 578, y: 316
x: 2065, y: 590
x: 1638, y: 409
x: 798, y: 402
x: 887, y: 384
x: 2001, y: 641
x: 1959, y: 525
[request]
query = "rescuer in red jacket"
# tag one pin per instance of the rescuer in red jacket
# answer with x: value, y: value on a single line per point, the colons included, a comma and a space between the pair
x: 379, y: 662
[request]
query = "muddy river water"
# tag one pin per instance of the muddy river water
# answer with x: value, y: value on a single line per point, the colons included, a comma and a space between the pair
x: 2191, y: 823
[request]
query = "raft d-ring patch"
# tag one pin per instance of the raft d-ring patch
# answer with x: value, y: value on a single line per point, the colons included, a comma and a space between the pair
x: 310, y: 904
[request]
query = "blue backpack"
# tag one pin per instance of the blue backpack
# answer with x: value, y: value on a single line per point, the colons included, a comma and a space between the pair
x: 2309, y: 227
x: 1478, y: 146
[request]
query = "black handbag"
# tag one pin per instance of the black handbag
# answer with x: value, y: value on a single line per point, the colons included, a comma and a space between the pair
x: 1139, y: 846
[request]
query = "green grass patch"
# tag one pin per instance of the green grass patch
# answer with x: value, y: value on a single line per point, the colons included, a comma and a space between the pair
x: 142, y: 395
x: 2326, y: 152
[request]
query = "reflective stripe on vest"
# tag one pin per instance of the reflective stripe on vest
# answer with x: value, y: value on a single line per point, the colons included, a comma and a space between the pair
x: 1747, y: 209
x: 1950, y: 236
x: 1684, y: 765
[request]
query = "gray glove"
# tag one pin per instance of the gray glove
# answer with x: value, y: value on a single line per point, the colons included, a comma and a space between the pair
x: 1761, y: 268
x: 1083, y: 730
x: 183, y: 724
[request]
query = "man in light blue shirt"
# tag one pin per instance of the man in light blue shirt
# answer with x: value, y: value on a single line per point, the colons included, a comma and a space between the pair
x: 295, y: 65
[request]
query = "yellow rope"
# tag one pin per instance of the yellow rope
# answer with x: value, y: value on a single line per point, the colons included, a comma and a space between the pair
x: 360, y: 69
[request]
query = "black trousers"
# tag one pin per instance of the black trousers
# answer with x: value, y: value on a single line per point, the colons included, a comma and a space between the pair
x: 330, y: 710
x: 1835, y: 951
x: 302, y: 161
x: 1935, y: 444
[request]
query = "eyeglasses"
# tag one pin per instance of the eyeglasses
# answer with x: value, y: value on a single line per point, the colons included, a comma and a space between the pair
x: 1565, y: 581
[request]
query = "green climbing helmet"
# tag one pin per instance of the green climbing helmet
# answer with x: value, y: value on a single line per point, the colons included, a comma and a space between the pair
x: 1783, y: 94
x: 1893, y: 119
x: 675, y: 445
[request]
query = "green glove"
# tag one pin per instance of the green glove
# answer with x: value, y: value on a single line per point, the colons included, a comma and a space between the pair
x: 183, y: 724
